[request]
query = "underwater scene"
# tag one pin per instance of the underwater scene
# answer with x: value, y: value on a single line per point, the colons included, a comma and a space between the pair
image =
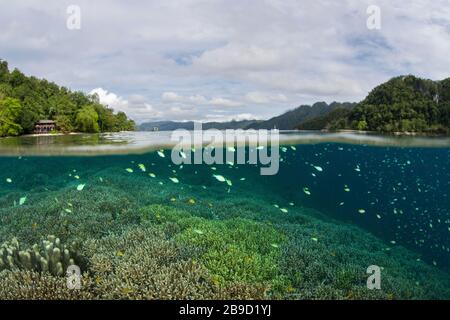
x: 140, y: 227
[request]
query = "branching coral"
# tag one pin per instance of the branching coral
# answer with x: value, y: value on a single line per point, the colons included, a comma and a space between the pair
x: 142, y: 264
x: 49, y: 255
x: 233, y: 250
x: 30, y: 285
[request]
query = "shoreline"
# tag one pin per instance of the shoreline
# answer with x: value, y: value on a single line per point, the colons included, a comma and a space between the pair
x: 49, y: 134
x: 141, y: 142
x: 396, y: 134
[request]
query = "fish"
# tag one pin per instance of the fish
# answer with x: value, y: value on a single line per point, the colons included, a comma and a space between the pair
x: 174, y: 180
x: 219, y: 178
x: 9, y: 180
x: 22, y: 200
x: 318, y: 168
x: 129, y: 170
x: 161, y: 154
x: 306, y: 191
x: 152, y: 175
x: 142, y: 167
x: 80, y: 187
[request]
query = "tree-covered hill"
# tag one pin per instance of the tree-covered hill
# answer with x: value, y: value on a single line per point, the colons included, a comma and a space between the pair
x: 291, y: 119
x: 323, y: 122
x: 26, y: 100
x: 403, y: 104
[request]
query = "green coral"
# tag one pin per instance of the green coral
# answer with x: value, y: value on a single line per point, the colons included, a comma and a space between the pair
x: 233, y: 250
x: 335, y: 266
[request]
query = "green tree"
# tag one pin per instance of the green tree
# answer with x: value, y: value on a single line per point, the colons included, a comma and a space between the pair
x: 362, y: 125
x: 41, y: 99
x: 123, y: 124
x: 87, y: 120
x: 64, y: 123
x: 10, y: 112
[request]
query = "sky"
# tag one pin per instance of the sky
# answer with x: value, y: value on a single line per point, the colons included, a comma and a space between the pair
x: 217, y: 60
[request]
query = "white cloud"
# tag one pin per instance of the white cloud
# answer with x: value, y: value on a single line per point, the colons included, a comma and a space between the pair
x: 222, y: 102
x: 136, y: 107
x: 239, y: 56
x: 252, y: 57
x: 262, y: 98
x: 198, y: 100
x: 171, y: 97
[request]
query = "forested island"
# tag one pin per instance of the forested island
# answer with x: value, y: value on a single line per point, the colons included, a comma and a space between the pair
x: 24, y: 101
x: 403, y: 104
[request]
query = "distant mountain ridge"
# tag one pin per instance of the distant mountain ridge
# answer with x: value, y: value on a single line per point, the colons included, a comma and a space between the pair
x: 189, y: 125
x: 291, y: 119
x: 287, y: 121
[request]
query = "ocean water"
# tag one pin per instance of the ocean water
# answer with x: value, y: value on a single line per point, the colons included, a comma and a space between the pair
x: 140, y: 227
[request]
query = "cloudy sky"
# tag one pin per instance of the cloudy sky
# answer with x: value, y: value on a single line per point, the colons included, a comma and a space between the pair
x: 223, y: 59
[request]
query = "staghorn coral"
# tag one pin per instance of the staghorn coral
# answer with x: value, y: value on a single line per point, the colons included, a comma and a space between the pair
x: 68, y: 213
x: 142, y: 264
x: 233, y: 250
x: 33, y: 285
x: 137, y: 264
x: 49, y: 255
x: 335, y: 266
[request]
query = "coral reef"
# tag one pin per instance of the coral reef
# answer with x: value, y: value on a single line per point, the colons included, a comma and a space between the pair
x: 33, y: 285
x: 141, y: 264
x: 138, y: 264
x: 149, y: 238
x: 233, y: 250
x: 50, y: 255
